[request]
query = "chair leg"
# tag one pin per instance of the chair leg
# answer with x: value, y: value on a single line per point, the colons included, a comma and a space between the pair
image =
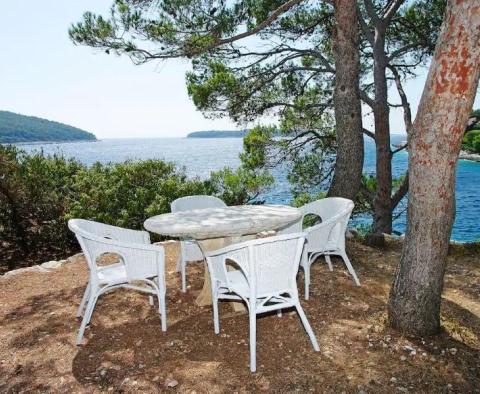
x: 350, y: 268
x: 89, y: 312
x: 329, y: 262
x: 306, y: 271
x: 86, y: 318
x: 253, y: 338
x: 86, y: 295
x: 307, y: 326
x: 216, y: 318
x: 162, y: 310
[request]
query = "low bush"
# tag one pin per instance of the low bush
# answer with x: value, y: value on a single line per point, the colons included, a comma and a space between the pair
x: 38, y: 194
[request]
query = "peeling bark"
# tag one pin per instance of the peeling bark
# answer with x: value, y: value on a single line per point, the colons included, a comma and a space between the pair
x: 348, y: 113
x: 434, y: 145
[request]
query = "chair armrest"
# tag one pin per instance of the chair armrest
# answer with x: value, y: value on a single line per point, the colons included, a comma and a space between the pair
x: 141, y: 261
x: 121, y: 234
x: 129, y: 245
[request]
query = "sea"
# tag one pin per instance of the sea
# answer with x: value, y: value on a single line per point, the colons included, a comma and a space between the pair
x: 200, y: 156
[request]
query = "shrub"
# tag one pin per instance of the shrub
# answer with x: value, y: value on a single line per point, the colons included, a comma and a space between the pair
x: 34, y: 195
x: 39, y: 193
x: 240, y: 186
x: 126, y: 194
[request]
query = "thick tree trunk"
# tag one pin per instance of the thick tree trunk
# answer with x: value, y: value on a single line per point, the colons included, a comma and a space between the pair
x: 382, y: 203
x: 434, y: 144
x: 348, y: 112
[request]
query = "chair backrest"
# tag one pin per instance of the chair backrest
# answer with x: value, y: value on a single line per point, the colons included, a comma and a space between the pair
x: 335, y: 213
x: 270, y: 265
x: 196, y: 202
x: 96, y: 239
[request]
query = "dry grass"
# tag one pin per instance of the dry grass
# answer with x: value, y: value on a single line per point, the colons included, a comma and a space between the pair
x: 126, y: 351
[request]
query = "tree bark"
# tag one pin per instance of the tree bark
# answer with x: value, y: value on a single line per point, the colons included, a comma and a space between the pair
x: 382, y: 217
x: 434, y: 145
x: 348, y: 112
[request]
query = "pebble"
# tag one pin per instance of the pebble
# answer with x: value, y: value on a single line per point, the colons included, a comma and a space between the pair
x: 170, y: 382
x: 393, y: 379
x: 403, y: 358
x: 453, y: 351
x: 408, y: 349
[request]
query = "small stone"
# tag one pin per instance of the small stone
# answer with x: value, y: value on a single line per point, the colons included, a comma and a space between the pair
x: 393, y: 379
x: 453, y: 351
x: 408, y: 349
x: 403, y: 358
x: 138, y: 343
x: 169, y: 382
x: 52, y: 264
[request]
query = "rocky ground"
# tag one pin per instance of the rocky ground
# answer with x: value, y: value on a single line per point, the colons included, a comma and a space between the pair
x: 126, y: 351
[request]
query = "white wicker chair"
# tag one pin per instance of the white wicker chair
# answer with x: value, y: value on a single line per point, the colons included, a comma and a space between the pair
x: 189, y: 249
x: 326, y: 238
x: 265, y: 278
x: 139, y: 261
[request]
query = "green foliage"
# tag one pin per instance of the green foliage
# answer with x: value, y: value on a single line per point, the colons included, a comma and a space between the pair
x: 471, y: 141
x: 255, y: 145
x: 21, y: 128
x: 125, y: 194
x: 38, y: 194
x: 34, y: 198
x: 240, y: 186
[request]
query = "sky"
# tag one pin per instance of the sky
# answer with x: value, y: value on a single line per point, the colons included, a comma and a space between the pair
x: 43, y: 74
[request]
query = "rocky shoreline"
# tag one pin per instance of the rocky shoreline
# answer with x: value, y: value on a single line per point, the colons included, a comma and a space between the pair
x: 464, y: 155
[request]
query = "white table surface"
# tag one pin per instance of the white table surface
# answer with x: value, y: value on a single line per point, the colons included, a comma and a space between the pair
x: 230, y: 221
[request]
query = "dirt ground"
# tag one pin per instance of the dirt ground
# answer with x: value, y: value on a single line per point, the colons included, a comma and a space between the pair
x: 125, y: 350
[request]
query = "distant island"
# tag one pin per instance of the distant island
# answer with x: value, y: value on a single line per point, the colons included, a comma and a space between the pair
x: 15, y: 128
x: 218, y: 134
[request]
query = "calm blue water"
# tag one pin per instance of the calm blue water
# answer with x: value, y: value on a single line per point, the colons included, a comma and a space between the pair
x: 201, y: 156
